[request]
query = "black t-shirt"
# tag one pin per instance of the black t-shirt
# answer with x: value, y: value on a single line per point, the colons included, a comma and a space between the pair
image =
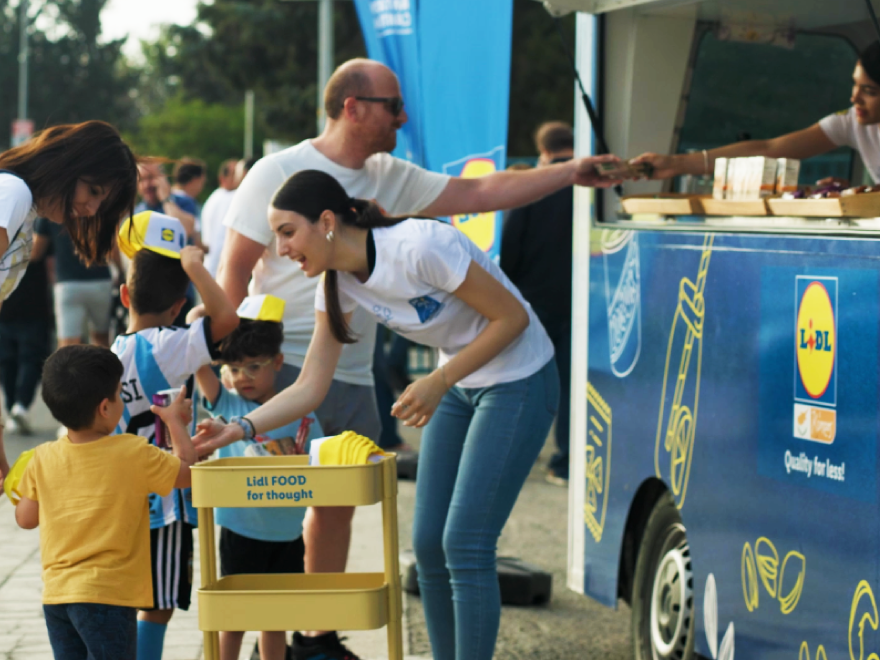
x: 536, y: 252
x: 68, y: 267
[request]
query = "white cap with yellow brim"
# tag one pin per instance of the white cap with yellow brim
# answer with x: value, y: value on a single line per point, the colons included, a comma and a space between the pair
x: 262, y: 308
x: 149, y: 230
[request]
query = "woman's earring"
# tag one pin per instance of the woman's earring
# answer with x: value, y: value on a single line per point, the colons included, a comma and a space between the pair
x: 330, y: 236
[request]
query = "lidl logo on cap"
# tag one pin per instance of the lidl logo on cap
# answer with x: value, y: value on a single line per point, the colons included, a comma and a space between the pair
x: 168, y: 235
x: 816, y: 358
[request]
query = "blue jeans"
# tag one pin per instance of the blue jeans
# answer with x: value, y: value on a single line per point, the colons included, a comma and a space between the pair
x: 475, y: 455
x: 92, y: 631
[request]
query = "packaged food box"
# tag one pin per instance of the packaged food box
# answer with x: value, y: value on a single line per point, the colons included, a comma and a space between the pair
x: 719, y: 185
x: 787, y: 172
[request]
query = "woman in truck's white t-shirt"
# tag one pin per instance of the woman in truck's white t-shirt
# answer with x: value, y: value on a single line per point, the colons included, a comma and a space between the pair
x: 486, y: 409
x: 82, y: 176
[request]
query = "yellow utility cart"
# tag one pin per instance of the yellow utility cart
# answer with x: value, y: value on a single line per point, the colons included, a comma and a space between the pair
x: 320, y: 601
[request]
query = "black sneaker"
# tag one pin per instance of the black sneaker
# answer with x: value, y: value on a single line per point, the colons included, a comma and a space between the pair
x: 326, y: 647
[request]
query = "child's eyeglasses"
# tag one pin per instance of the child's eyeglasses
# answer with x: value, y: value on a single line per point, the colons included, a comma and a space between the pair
x: 250, y: 371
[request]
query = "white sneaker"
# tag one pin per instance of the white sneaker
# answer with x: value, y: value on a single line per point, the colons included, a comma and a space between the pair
x: 10, y: 425
x: 18, y: 414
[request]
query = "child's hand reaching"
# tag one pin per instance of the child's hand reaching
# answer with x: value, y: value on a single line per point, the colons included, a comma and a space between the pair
x: 191, y: 256
x: 178, y: 411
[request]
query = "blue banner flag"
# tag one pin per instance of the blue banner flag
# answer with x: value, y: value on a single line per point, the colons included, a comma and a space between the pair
x: 465, y: 51
x: 391, y: 36
x: 453, y: 61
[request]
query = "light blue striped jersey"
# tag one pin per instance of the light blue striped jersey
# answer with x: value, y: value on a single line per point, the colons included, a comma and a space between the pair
x: 156, y: 359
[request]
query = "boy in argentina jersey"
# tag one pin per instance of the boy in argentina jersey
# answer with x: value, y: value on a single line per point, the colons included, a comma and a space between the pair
x: 156, y: 356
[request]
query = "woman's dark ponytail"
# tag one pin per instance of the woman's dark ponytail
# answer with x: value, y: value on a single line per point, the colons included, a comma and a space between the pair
x: 311, y: 192
x: 340, y: 329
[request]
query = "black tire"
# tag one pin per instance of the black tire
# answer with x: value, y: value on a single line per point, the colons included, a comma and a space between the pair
x: 663, y: 581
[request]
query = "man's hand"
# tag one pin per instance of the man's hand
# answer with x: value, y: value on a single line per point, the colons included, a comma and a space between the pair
x: 585, y: 173
x: 191, y: 256
x: 214, y: 434
x: 664, y: 166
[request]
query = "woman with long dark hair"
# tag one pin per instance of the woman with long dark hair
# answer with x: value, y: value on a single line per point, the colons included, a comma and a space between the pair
x: 486, y: 409
x: 82, y: 176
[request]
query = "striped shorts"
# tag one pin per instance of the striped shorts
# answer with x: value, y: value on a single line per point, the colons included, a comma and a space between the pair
x: 171, y: 556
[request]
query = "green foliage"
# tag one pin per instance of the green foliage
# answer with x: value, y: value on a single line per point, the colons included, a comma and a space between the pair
x: 72, y: 77
x: 211, y: 131
x: 264, y: 45
x: 541, y: 80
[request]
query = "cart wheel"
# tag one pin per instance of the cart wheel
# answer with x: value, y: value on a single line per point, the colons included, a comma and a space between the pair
x: 662, y: 600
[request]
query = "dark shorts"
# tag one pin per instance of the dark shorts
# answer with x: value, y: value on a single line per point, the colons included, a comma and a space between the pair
x: 241, y: 554
x: 78, y: 631
x: 171, y: 556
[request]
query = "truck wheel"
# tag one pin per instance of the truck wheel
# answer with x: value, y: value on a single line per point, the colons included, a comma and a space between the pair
x: 662, y: 599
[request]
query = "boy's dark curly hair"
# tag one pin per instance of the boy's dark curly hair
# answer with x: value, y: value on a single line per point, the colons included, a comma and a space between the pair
x: 252, y: 339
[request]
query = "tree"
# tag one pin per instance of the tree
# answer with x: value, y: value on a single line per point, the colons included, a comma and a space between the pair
x: 210, y: 131
x: 541, y: 81
x: 72, y: 77
x: 264, y: 45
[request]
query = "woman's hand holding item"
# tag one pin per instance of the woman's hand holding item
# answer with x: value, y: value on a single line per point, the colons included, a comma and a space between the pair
x: 213, y: 434
x: 417, y: 404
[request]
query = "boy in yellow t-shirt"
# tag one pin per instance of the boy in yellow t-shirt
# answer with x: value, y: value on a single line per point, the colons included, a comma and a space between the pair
x: 88, y: 493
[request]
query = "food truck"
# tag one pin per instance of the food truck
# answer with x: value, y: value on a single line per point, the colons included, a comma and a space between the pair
x: 725, y: 366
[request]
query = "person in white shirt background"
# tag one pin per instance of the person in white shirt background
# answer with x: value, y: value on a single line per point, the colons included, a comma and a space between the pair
x: 364, y: 109
x: 858, y: 127
x: 213, y: 212
x: 82, y: 176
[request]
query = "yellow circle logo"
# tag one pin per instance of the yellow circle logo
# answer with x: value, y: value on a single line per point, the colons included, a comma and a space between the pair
x: 816, y: 340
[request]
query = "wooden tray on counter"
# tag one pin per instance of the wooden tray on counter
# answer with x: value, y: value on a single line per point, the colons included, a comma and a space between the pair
x: 663, y: 204
x: 735, y: 207
x: 865, y: 205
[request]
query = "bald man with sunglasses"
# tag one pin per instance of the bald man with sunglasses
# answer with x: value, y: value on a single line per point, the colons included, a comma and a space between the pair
x: 364, y: 110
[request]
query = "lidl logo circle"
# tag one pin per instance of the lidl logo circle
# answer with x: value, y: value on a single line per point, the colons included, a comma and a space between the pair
x: 168, y: 235
x: 816, y: 339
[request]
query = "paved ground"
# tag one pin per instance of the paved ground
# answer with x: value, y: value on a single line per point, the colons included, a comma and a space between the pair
x: 570, y: 626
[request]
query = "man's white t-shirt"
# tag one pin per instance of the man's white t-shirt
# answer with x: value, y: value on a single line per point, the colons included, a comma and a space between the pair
x: 843, y: 129
x: 213, y: 231
x: 419, y: 263
x: 398, y: 186
x: 17, y: 215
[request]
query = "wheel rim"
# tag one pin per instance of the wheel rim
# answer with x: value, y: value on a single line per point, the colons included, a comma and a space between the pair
x: 672, y: 598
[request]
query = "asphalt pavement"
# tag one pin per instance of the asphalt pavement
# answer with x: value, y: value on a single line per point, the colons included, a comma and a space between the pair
x: 569, y: 627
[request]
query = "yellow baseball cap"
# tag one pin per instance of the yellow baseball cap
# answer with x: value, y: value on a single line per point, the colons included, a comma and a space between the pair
x: 153, y: 231
x: 262, y: 308
x: 13, y: 479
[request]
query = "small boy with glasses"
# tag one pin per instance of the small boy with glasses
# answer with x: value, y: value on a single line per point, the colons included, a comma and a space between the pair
x: 256, y: 540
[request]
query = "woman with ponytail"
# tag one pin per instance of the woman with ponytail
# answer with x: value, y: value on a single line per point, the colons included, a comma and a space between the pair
x: 82, y: 176
x: 486, y: 409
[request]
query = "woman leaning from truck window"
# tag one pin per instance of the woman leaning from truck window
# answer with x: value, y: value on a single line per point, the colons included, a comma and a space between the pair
x: 82, y: 176
x: 486, y: 409
x: 858, y: 127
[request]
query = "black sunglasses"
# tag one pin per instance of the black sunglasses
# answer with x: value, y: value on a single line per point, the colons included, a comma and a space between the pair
x: 394, y: 104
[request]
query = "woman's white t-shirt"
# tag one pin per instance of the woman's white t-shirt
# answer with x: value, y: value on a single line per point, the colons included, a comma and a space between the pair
x: 843, y: 129
x: 419, y: 264
x: 17, y: 215
x: 399, y: 187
